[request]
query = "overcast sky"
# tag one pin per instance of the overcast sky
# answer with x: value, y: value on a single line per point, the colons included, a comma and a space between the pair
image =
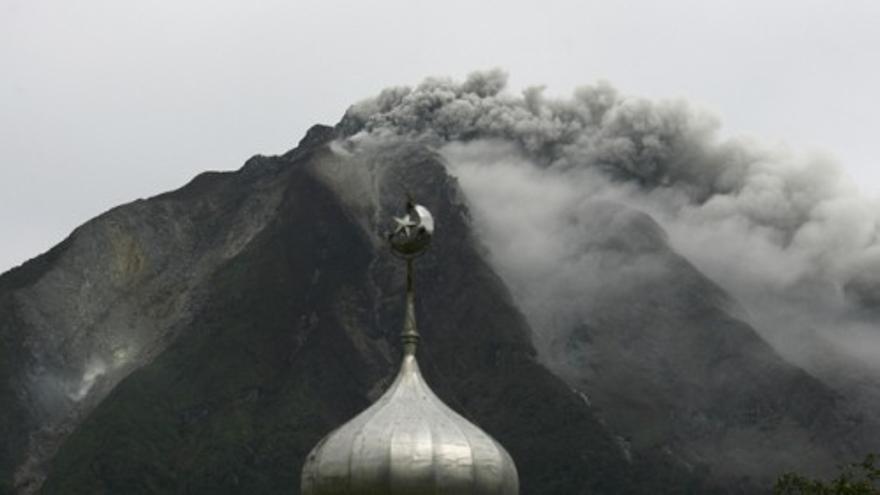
x: 104, y: 102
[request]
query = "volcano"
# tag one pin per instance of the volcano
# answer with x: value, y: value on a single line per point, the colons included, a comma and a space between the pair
x: 203, y: 340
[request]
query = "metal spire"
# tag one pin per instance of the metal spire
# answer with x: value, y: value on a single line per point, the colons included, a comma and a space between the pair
x: 409, y: 240
x: 410, y: 335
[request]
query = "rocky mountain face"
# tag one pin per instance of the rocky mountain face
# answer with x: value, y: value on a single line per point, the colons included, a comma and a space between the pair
x: 203, y: 340
x: 662, y: 357
x: 109, y: 299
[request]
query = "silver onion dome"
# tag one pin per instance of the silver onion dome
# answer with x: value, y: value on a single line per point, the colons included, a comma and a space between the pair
x: 409, y: 442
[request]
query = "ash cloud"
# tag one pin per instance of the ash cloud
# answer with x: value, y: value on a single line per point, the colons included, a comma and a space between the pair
x: 787, y: 235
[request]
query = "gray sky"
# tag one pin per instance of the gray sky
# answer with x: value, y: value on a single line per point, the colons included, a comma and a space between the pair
x: 103, y: 102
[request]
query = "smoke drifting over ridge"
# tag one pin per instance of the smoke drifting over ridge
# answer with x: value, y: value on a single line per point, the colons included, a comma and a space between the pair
x: 788, y: 236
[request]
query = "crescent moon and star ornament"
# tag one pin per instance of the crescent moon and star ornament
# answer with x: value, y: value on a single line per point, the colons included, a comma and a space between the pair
x: 412, y: 232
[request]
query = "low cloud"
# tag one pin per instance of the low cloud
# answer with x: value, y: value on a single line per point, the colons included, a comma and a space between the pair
x: 787, y: 235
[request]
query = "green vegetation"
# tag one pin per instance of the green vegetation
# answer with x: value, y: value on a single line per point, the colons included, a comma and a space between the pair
x: 862, y: 478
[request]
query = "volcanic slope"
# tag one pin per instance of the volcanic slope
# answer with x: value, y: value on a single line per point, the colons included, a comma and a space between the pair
x: 202, y: 341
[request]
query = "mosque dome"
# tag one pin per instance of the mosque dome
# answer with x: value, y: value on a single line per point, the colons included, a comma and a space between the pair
x: 409, y: 442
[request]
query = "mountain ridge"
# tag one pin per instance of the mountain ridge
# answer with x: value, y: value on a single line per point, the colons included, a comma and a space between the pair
x: 275, y: 312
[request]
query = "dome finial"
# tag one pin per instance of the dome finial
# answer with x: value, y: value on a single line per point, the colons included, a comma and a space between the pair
x: 412, y: 232
x: 410, y: 239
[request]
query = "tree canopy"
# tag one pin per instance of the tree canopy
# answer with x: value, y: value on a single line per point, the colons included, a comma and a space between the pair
x: 861, y: 478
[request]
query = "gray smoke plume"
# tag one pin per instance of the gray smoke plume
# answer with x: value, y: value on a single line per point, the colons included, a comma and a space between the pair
x: 787, y: 235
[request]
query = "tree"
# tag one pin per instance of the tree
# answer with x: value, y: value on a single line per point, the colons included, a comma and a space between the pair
x: 861, y: 478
